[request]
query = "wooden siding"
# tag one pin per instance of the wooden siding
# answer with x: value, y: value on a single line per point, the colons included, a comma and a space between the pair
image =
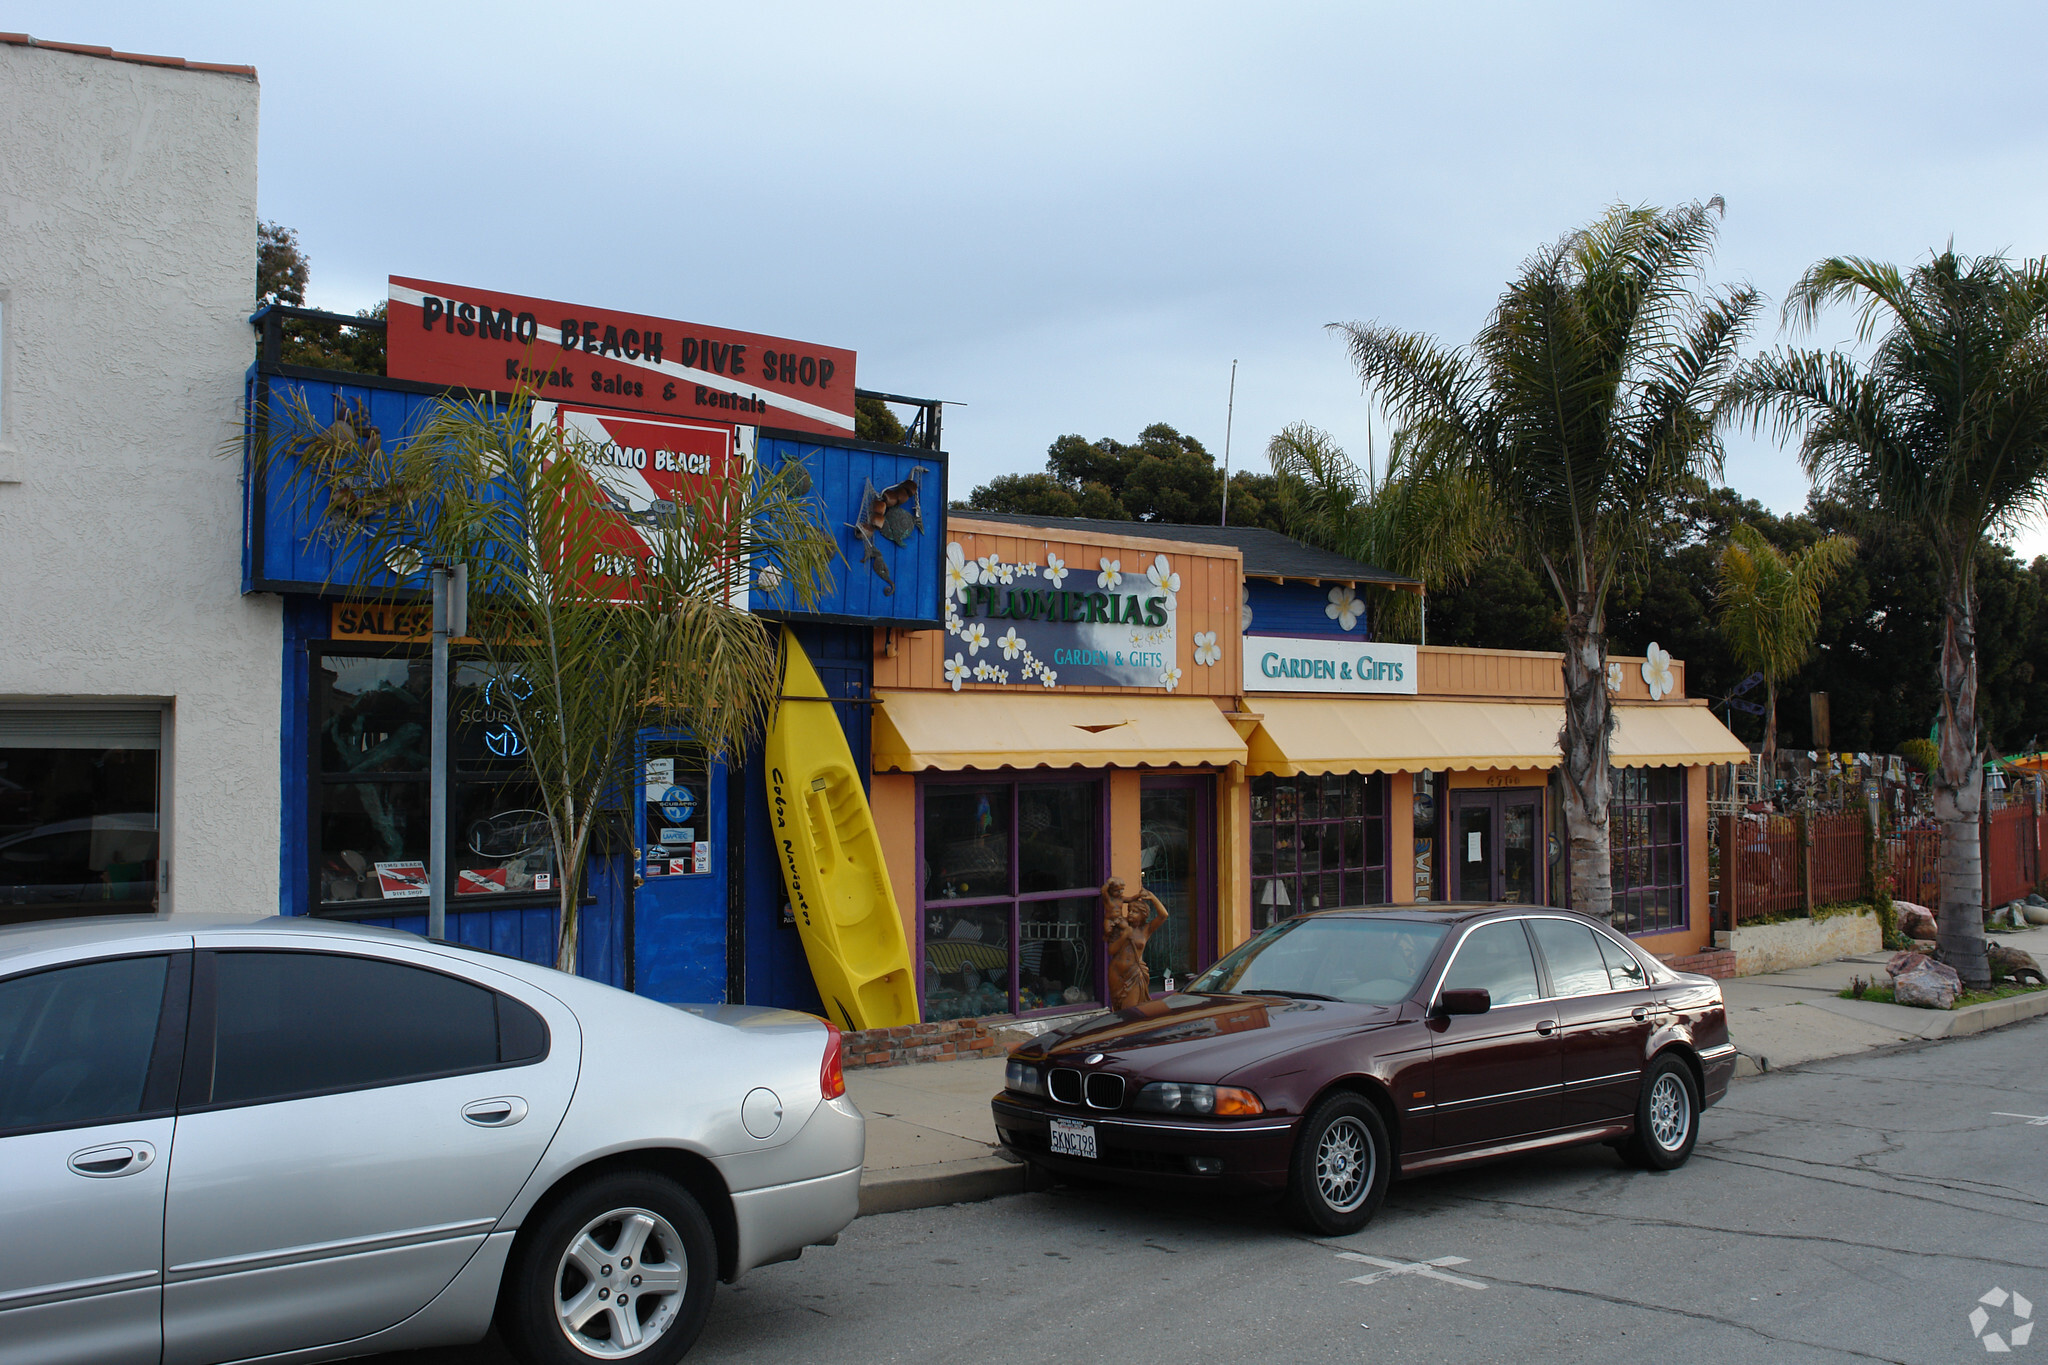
x: 1208, y: 600
x: 840, y: 477
x: 1459, y: 671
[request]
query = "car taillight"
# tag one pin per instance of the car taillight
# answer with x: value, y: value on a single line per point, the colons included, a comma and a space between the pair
x: 831, y: 1073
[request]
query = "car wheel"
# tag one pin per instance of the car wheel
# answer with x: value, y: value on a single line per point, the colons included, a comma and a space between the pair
x: 622, y: 1269
x: 1667, y: 1117
x: 1342, y: 1162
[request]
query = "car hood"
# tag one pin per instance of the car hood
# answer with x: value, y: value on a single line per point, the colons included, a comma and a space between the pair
x: 1203, y: 1037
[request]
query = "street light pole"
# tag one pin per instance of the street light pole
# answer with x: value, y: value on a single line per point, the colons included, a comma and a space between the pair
x: 450, y: 619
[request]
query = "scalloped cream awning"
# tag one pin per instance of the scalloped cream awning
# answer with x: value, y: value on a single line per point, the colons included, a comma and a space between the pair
x: 1405, y: 734
x: 950, y: 731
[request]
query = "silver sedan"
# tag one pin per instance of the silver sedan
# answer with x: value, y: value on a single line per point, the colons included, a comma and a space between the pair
x: 301, y: 1140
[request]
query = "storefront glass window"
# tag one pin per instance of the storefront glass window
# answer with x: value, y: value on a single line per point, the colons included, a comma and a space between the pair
x: 373, y: 733
x: 78, y: 824
x: 1317, y: 843
x: 1010, y: 890
x: 1646, y: 824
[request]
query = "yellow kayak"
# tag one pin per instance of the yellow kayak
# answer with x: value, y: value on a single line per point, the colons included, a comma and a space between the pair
x: 832, y: 859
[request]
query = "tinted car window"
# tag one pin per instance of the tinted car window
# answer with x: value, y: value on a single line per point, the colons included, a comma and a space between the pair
x: 1569, y: 950
x: 1623, y: 970
x: 1495, y: 958
x: 1367, y: 961
x: 75, y: 1043
x: 296, y: 1023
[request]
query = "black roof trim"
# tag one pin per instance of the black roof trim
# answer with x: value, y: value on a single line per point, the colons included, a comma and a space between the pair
x: 1267, y: 554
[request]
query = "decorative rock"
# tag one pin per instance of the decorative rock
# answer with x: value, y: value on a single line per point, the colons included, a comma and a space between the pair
x: 2013, y: 963
x: 1926, y: 987
x: 1914, y: 921
x: 2036, y: 910
x: 1901, y: 963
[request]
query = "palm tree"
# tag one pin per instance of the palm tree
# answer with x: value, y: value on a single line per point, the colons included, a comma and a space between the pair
x: 1943, y: 428
x: 598, y: 622
x: 1588, y: 400
x: 1770, y: 609
x: 1425, y: 518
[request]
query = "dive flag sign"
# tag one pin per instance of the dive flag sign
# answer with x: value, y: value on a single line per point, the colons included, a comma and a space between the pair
x: 494, y: 342
x: 649, y: 474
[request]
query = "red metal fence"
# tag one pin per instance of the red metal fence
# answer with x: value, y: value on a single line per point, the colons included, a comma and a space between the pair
x: 1914, y: 856
x: 1841, y: 857
x: 1787, y: 864
x: 2012, y: 853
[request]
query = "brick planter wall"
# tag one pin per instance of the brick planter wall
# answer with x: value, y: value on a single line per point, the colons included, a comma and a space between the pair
x: 1718, y: 963
x: 948, y: 1040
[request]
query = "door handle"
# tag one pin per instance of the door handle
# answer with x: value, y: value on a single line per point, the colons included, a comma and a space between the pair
x: 116, y: 1158
x: 1639, y: 1013
x: 500, y: 1112
x: 1547, y: 1027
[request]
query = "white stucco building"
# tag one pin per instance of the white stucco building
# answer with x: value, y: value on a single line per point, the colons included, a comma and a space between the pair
x: 139, y: 711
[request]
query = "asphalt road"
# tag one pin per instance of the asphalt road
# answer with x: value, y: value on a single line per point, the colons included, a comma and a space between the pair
x: 1849, y: 1210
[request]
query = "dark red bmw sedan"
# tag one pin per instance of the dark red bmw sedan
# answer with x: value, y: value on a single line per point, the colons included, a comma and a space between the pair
x: 1337, y: 1050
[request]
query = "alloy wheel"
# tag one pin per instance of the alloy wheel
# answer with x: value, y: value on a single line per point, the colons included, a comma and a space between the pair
x: 1670, y: 1112
x: 620, y: 1284
x: 1344, y: 1164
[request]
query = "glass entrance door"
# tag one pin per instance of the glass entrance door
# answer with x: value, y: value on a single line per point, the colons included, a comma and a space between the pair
x: 1173, y: 825
x: 1495, y: 837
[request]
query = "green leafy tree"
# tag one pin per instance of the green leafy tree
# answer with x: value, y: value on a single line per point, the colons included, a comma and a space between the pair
x: 283, y: 272
x: 1587, y: 402
x: 1163, y: 476
x: 873, y: 421
x: 1769, y: 609
x: 1424, y: 517
x: 605, y: 635
x: 1944, y: 427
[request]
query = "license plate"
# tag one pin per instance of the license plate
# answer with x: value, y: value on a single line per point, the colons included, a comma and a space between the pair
x: 1073, y: 1139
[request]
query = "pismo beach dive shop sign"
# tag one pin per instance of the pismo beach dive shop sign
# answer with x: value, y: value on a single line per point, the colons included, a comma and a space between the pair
x: 1059, y: 625
x: 1280, y: 663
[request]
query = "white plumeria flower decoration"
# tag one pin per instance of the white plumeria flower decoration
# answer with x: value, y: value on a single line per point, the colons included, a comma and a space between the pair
x: 1012, y: 643
x: 1614, y: 677
x: 1244, y: 607
x: 1344, y: 608
x: 988, y: 565
x: 985, y: 671
x: 1163, y: 577
x: 1112, y: 573
x: 1055, y: 569
x: 1170, y: 677
x: 1048, y: 677
x: 1207, y: 651
x: 1657, y: 672
x: 961, y: 572
x: 1006, y: 573
x: 975, y: 637
x: 956, y: 671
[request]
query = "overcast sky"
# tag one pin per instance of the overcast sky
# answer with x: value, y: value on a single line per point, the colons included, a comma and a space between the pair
x: 1072, y: 217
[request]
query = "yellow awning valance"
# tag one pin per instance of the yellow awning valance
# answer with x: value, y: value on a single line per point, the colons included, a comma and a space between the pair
x: 1408, y: 734
x: 948, y: 731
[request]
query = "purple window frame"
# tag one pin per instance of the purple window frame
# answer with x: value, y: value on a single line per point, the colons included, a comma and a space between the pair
x: 1620, y: 809
x: 1096, y: 778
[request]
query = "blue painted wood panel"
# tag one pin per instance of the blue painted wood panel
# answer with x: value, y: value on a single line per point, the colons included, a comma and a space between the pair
x: 840, y: 477
x: 283, y: 548
x: 1298, y: 609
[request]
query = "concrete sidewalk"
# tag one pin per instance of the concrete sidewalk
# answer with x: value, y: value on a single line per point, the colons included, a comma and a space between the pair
x: 931, y: 1141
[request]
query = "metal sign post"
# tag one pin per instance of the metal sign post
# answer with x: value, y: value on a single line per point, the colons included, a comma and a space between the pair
x: 451, y: 618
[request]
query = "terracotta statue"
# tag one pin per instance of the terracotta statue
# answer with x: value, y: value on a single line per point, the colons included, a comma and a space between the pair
x: 1126, y: 930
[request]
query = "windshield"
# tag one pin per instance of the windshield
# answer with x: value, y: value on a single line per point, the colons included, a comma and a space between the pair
x: 1366, y: 961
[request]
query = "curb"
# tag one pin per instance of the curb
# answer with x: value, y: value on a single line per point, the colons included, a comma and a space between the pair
x: 954, y: 1182
x: 1931, y: 1026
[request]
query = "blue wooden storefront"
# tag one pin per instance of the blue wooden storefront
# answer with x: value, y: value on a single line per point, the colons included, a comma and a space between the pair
x: 712, y: 937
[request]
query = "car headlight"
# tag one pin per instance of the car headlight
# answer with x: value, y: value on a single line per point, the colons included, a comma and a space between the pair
x: 1023, y: 1078
x: 1172, y: 1097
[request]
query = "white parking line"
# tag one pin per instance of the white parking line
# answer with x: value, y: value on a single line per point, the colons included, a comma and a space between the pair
x: 2033, y: 1120
x: 1431, y: 1269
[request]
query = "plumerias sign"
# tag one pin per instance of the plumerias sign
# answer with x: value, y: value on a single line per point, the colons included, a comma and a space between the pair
x: 1059, y: 625
x: 1285, y: 663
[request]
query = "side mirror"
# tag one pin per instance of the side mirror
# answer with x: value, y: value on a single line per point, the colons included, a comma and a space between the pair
x: 1474, y: 1001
